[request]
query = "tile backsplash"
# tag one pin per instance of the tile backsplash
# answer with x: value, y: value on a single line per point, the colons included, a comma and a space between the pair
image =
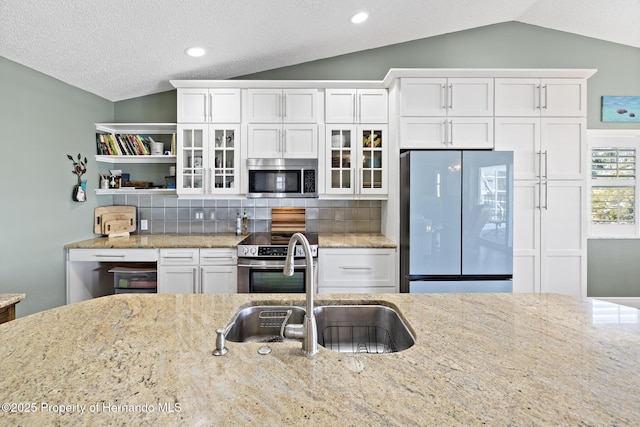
x: 170, y: 215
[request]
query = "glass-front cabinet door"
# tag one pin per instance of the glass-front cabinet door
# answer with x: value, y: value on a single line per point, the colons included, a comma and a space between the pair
x: 340, y: 153
x: 372, y: 159
x: 356, y: 159
x: 207, y: 159
x: 191, y: 158
x: 225, y: 158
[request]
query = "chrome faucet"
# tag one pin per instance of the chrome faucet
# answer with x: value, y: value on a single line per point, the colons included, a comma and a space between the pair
x: 308, y: 331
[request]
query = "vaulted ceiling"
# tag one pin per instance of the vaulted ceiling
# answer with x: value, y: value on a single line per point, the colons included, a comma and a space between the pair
x: 120, y: 49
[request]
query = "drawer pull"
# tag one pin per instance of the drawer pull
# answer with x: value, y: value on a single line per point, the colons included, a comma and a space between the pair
x: 110, y: 255
x: 356, y: 268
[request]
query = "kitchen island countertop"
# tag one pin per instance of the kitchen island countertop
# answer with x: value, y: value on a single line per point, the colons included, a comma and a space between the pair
x: 479, y: 359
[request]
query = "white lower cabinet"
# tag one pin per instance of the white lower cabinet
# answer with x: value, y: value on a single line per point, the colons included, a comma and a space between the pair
x: 218, y: 271
x: 184, y: 270
x: 356, y: 270
x: 88, y: 270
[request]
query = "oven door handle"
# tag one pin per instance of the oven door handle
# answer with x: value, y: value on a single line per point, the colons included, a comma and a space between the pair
x: 272, y: 265
x: 262, y: 266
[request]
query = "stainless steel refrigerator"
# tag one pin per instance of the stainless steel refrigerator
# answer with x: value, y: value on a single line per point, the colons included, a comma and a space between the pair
x: 456, y: 226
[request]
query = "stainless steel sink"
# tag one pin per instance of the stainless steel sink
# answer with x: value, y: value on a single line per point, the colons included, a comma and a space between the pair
x: 362, y: 329
x: 262, y: 323
x: 343, y: 328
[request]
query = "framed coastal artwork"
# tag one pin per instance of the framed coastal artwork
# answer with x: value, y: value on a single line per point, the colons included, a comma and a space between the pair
x: 621, y: 108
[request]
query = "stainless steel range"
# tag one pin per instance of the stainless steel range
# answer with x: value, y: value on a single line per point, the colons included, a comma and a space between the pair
x: 261, y: 259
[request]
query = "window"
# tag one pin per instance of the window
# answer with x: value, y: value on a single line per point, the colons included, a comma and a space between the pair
x: 613, y: 200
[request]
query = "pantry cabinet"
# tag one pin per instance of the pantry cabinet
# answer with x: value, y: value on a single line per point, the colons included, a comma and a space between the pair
x: 201, y: 105
x: 549, y: 249
x: 441, y: 113
x: 543, y: 122
x: 208, y: 159
x: 552, y: 148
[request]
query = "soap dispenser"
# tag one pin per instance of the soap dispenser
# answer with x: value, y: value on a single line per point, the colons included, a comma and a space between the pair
x: 245, y: 224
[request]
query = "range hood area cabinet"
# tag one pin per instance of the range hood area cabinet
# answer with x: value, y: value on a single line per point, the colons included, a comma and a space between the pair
x: 282, y: 123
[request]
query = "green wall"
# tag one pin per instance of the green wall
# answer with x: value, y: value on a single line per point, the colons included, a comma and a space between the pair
x: 508, y: 45
x: 42, y: 120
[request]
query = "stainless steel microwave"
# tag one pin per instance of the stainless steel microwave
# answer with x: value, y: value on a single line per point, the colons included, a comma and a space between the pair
x: 282, y: 177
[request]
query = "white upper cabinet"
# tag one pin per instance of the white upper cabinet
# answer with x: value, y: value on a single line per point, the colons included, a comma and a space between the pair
x: 452, y: 113
x: 282, y: 123
x: 541, y: 97
x: 272, y: 141
x: 282, y: 105
x: 356, y: 106
x: 356, y: 159
x: 471, y: 97
x: 208, y: 159
x: 209, y: 105
x: 446, y: 133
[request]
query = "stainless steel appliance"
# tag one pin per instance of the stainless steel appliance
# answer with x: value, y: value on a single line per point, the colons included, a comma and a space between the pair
x: 456, y: 226
x: 282, y: 177
x: 261, y: 259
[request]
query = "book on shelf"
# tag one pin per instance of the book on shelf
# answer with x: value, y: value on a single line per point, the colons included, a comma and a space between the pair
x: 117, y: 144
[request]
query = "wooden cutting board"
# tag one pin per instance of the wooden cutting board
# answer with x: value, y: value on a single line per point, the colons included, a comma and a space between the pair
x: 114, y: 221
x: 288, y: 220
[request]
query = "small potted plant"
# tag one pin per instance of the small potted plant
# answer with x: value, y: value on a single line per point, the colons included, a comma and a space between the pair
x: 79, y: 168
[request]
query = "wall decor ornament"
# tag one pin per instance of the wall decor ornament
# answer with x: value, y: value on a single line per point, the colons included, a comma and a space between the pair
x: 79, y: 193
x: 621, y: 108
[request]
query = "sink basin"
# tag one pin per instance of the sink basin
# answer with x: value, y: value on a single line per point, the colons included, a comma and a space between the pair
x: 261, y: 323
x: 362, y: 329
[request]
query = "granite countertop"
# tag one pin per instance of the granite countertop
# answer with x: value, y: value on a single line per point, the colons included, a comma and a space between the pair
x: 479, y: 359
x: 9, y: 299
x: 151, y: 241
x: 353, y: 240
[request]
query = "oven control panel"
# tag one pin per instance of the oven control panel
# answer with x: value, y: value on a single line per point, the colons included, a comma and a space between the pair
x: 272, y: 251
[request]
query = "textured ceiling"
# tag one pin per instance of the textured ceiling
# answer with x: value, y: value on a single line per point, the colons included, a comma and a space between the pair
x: 120, y: 49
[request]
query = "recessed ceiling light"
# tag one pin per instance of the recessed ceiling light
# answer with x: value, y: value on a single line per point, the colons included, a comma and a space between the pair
x: 359, y: 17
x: 195, y: 51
